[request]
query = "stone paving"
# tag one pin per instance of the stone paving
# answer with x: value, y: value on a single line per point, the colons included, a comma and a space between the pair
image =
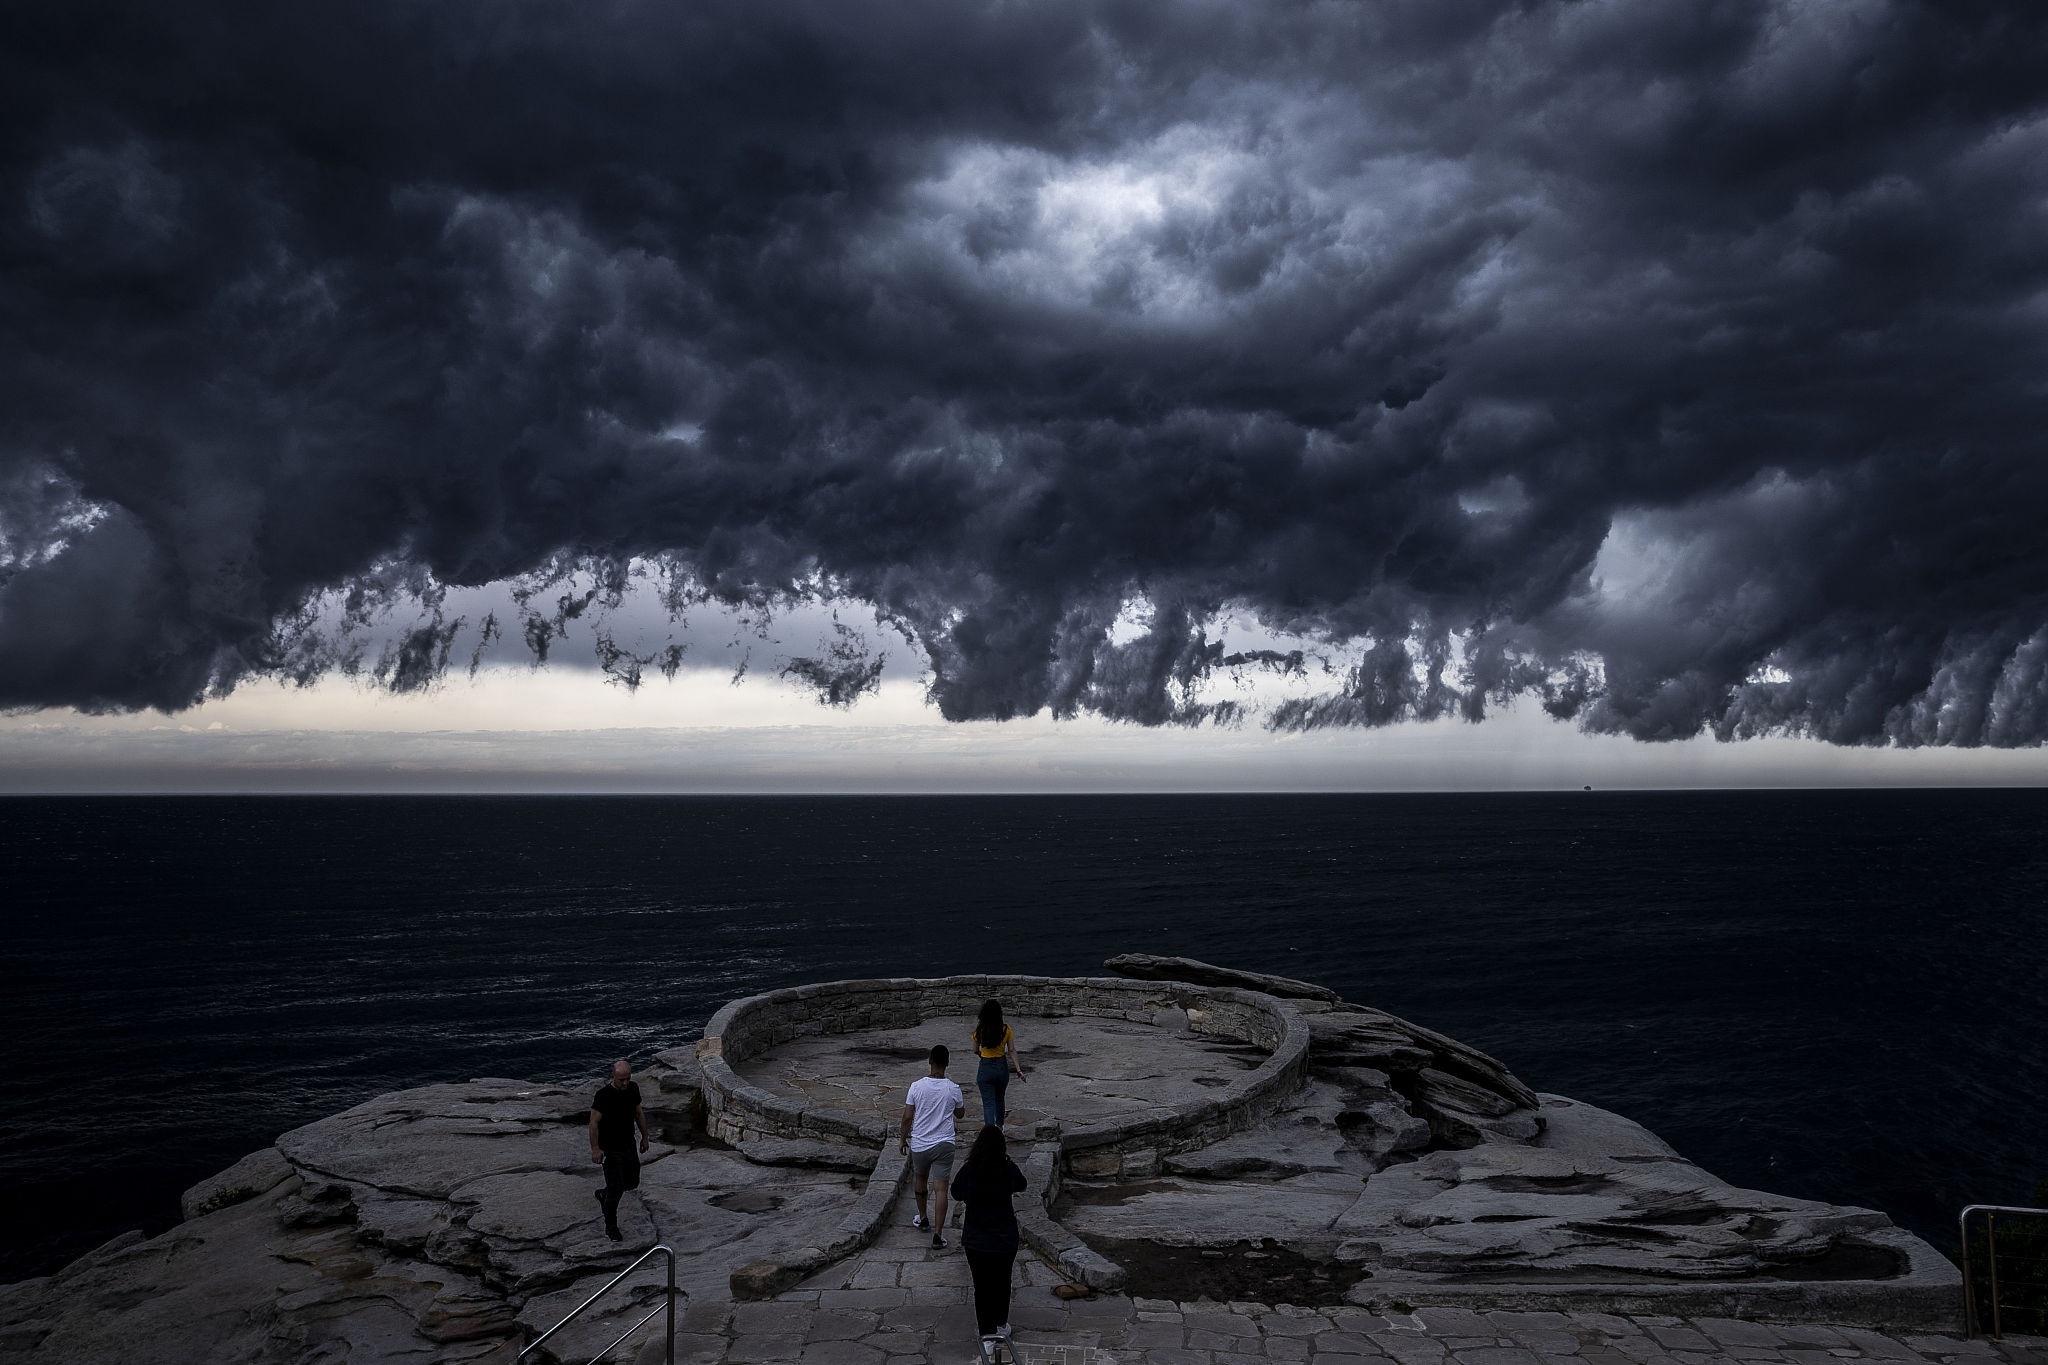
x: 1082, y: 1068
x: 928, y: 1321
x: 900, y: 1302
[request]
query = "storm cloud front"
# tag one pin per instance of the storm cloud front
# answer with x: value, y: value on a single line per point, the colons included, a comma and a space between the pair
x: 1681, y: 367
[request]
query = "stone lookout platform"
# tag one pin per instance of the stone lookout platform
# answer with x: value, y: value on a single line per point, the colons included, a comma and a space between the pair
x: 1082, y: 1070
x: 1231, y: 1166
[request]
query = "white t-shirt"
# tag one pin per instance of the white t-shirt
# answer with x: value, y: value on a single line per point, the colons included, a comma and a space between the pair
x: 934, y: 1100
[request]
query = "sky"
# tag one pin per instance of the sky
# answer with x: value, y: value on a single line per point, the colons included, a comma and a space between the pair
x: 846, y: 395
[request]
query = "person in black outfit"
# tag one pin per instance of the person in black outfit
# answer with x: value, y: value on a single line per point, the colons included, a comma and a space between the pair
x: 613, y: 1116
x: 988, y: 1233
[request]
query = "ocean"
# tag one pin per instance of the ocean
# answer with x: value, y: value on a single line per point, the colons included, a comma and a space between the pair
x: 1835, y: 995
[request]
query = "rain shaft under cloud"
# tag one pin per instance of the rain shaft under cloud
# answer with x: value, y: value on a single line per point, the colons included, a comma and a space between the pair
x: 1681, y: 366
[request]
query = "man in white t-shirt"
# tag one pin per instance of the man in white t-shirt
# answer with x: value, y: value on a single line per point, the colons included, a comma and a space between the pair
x: 928, y: 1113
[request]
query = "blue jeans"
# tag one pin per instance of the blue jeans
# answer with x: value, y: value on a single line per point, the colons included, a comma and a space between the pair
x: 992, y: 1078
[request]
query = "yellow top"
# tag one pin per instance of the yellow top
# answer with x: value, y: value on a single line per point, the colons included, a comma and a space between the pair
x: 997, y: 1050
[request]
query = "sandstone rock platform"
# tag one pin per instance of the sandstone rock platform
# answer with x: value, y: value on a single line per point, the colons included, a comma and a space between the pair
x: 1241, y: 1175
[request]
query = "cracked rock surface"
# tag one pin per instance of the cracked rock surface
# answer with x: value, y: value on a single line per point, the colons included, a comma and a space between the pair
x: 444, y: 1223
x: 454, y: 1222
x: 1412, y: 1156
x: 1571, y: 1206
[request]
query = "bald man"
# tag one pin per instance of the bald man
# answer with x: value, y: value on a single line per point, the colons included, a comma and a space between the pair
x: 613, y: 1115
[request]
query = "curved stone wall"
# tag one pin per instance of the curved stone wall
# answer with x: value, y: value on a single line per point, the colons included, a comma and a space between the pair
x: 741, y: 1111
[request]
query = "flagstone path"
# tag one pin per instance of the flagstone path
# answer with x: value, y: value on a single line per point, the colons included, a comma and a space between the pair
x: 900, y: 1302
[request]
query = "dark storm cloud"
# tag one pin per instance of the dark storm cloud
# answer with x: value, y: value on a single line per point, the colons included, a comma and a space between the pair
x: 1679, y: 366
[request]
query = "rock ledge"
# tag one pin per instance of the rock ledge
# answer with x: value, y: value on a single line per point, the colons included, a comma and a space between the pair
x: 1210, y: 1125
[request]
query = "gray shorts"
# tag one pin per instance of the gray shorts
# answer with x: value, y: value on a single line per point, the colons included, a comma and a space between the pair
x: 933, y: 1162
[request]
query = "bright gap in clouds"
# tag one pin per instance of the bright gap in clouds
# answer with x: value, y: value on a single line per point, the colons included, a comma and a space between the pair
x: 511, y: 728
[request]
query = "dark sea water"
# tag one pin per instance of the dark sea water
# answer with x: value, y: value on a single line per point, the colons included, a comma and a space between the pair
x: 1834, y: 995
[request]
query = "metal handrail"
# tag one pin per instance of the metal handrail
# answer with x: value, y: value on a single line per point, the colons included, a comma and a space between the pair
x: 669, y: 1301
x: 1990, y: 1212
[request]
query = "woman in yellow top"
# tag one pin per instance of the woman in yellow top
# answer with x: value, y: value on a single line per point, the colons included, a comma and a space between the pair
x: 997, y: 1047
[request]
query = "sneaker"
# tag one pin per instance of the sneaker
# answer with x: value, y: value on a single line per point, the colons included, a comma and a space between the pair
x: 938, y: 1241
x: 919, y: 1221
x: 1004, y: 1333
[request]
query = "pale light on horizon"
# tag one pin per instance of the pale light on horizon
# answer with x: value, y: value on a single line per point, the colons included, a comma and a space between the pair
x: 566, y: 728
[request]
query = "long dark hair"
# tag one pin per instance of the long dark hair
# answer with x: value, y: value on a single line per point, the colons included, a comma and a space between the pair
x: 989, y: 1032
x: 987, y: 1157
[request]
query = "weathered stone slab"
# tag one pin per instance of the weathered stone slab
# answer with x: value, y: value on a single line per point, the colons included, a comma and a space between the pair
x: 1312, y: 1131
x: 234, y: 1284
x: 826, y: 1156
x: 426, y: 1141
x: 1151, y: 967
x: 257, y: 1173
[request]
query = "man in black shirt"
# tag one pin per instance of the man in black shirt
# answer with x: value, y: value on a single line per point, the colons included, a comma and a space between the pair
x: 613, y: 1116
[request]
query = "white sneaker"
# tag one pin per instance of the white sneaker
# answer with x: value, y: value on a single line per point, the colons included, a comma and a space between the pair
x: 1004, y: 1333
x: 919, y: 1221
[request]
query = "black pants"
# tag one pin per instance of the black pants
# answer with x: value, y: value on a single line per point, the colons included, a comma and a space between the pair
x: 621, y: 1173
x: 991, y: 1271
